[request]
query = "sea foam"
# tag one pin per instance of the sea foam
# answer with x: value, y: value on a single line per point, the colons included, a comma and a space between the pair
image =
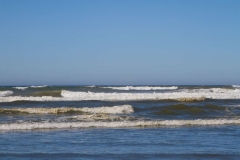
x: 117, y: 124
x: 5, y: 93
x: 124, y: 109
x: 142, y: 88
x: 184, y: 95
x: 39, y: 86
x: 236, y: 86
x: 21, y: 88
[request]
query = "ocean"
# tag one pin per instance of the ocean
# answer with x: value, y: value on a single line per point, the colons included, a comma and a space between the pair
x: 120, y: 122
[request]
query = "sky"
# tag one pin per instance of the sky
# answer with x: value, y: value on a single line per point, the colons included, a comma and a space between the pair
x: 119, y: 42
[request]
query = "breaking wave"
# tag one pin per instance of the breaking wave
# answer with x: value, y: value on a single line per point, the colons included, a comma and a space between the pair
x: 5, y: 93
x: 142, y: 88
x: 117, y: 124
x: 93, y: 86
x: 124, y: 109
x: 39, y: 86
x: 183, y: 95
x: 236, y: 86
x: 21, y: 88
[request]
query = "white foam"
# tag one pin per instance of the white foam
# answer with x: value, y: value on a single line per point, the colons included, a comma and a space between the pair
x: 124, y: 109
x: 142, y: 88
x: 5, y: 93
x: 93, y: 86
x: 39, y: 86
x: 117, y: 124
x: 236, y: 86
x: 21, y: 88
x: 184, y: 95
x: 229, y: 94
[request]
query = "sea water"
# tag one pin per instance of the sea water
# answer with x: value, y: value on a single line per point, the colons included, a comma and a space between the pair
x: 119, y: 122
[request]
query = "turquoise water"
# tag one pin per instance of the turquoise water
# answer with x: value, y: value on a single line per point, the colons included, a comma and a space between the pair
x: 138, y: 122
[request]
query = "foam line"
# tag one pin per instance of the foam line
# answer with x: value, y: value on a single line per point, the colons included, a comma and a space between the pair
x: 109, y: 110
x: 184, y: 95
x: 142, y: 88
x: 21, y: 88
x: 5, y: 93
x: 99, y: 124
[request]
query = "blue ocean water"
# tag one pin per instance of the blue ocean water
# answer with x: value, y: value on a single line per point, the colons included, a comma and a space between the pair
x: 120, y: 122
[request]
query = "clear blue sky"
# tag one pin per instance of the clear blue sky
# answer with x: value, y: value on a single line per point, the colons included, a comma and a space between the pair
x: 119, y: 42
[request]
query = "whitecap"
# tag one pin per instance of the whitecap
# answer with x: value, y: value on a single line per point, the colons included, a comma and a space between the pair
x: 142, y: 88
x: 21, y: 88
x: 39, y: 86
x: 124, y: 109
x: 5, y: 93
x: 117, y: 124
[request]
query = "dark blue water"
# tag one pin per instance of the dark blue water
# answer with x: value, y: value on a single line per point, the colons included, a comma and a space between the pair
x: 135, y: 143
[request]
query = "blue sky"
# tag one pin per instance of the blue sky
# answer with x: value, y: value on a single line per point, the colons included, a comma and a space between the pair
x: 86, y: 42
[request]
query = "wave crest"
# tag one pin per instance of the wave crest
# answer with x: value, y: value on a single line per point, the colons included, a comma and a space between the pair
x: 124, y: 109
x: 21, y: 88
x: 5, y: 93
x: 39, y: 86
x: 142, y: 88
x: 117, y: 124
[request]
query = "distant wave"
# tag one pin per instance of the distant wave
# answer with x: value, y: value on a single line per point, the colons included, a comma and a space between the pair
x: 236, y: 86
x: 39, y: 86
x: 184, y: 95
x: 226, y: 94
x: 142, y: 88
x: 116, y: 124
x: 5, y: 93
x: 124, y: 109
x: 91, y: 86
x: 21, y: 88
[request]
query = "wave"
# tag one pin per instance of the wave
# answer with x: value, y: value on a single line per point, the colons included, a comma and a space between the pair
x: 124, y: 109
x: 142, y: 88
x: 21, y: 88
x: 93, y: 86
x: 39, y: 86
x: 183, y: 95
x: 117, y: 124
x: 5, y: 93
x: 131, y: 96
x: 236, y: 86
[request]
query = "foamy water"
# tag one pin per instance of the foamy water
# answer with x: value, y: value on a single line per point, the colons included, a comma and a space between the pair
x: 142, y: 88
x: 21, y: 88
x: 39, y: 86
x: 198, y: 122
x: 124, y: 109
x: 184, y: 95
x: 5, y: 93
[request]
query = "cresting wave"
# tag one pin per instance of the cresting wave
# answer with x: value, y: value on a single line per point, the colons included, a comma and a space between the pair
x: 124, y: 109
x: 181, y: 96
x: 39, y: 86
x: 21, y: 88
x: 68, y: 125
x: 142, y: 88
x: 236, y: 86
x: 196, y: 95
x: 5, y: 93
